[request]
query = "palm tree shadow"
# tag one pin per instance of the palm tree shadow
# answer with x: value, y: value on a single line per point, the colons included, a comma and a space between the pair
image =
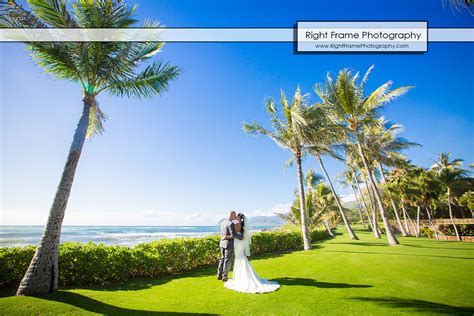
x: 316, y: 245
x: 91, y: 305
x: 132, y: 285
x: 414, y: 305
x: 312, y: 282
x: 143, y: 283
x: 402, y: 254
x: 359, y: 243
x: 444, y: 248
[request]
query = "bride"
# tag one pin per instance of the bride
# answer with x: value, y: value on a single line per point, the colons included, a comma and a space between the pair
x: 244, y: 279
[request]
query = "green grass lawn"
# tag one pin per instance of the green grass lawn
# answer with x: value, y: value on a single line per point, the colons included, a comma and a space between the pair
x: 339, y: 276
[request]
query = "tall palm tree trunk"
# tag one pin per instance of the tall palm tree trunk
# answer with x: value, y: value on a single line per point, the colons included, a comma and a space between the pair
x: 392, y: 240
x: 418, y: 221
x: 405, y: 215
x: 409, y: 219
x: 365, y: 206
x: 42, y: 274
x: 431, y: 222
x: 358, y: 206
x: 394, y: 207
x: 326, y: 225
x: 451, y: 215
x: 374, y: 210
x: 304, y: 224
x: 339, y: 205
x: 377, y: 232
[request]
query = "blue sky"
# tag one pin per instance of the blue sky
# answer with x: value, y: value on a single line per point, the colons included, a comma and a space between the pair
x: 182, y: 158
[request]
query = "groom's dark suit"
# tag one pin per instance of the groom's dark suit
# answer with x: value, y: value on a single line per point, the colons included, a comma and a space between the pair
x: 228, y: 234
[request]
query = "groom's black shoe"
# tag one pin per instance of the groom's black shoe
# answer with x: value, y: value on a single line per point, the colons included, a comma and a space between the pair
x: 219, y: 277
x: 224, y: 279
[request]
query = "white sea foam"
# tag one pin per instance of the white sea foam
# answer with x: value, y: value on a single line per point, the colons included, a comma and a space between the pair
x: 109, y: 235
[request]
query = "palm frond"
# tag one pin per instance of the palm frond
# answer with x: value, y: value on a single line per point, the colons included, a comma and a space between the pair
x: 96, y: 121
x: 154, y: 79
x: 381, y: 95
x: 312, y: 179
x: 459, y: 5
x: 15, y: 16
x: 366, y: 77
x: 104, y: 14
x: 53, y: 12
x: 289, y: 163
x: 56, y: 60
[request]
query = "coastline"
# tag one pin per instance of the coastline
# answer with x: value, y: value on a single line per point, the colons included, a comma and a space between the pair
x: 25, y: 235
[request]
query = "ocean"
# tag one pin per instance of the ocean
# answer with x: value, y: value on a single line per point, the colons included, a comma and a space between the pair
x: 11, y: 236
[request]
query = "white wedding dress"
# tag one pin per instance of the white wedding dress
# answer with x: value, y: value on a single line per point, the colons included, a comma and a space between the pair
x: 244, y: 279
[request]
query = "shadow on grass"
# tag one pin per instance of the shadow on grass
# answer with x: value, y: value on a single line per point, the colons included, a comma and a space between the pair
x: 132, y: 285
x: 138, y: 284
x: 400, y: 254
x: 359, y: 243
x: 437, y: 241
x: 417, y: 305
x: 370, y: 244
x: 91, y: 305
x: 324, y: 285
x: 317, y: 244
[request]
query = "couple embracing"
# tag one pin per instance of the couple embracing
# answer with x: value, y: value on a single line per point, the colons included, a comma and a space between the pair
x: 236, y: 240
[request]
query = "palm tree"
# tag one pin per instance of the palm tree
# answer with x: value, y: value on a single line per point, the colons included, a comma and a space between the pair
x: 364, y: 203
x: 428, y: 190
x: 97, y: 67
x: 346, y: 99
x: 420, y: 188
x: 355, y: 162
x: 323, y: 134
x: 384, y: 146
x: 408, y: 189
x: 348, y: 179
x: 325, y: 201
x: 289, y: 132
x: 314, y: 208
x: 396, y: 177
x: 467, y: 200
x: 449, y: 172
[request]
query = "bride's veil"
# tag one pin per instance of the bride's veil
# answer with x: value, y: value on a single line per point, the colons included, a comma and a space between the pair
x: 247, y: 236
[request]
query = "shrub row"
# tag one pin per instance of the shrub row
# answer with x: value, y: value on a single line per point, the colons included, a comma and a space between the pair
x: 90, y: 263
x: 448, y: 230
x: 463, y: 229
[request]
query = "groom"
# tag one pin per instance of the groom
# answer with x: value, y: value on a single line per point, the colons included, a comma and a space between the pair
x: 228, y: 234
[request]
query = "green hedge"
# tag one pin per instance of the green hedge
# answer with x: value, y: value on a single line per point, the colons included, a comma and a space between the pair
x: 448, y: 230
x: 90, y: 263
x: 463, y: 229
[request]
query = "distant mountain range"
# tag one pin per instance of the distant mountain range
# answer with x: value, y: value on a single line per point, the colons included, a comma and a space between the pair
x: 271, y: 221
x: 274, y: 220
x: 350, y: 205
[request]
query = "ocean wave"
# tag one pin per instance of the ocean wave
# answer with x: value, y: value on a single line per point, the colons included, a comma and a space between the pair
x: 12, y: 236
x: 119, y: 236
